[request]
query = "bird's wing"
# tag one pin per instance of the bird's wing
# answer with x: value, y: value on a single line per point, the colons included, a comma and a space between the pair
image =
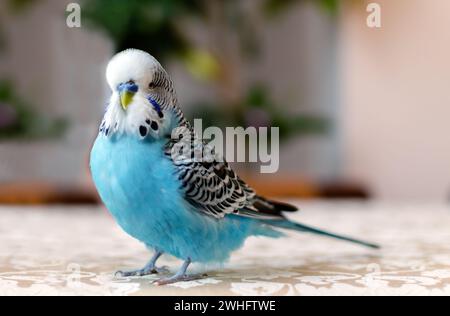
x: 213, y: 188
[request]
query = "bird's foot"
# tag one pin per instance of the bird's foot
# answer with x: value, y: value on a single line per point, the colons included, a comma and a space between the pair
x: 180, y: 278
x: 141, y: 272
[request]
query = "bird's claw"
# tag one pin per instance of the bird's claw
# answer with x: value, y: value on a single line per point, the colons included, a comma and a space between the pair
x: 160, y: 270
x: 141, y: 272
x: 179, y: 278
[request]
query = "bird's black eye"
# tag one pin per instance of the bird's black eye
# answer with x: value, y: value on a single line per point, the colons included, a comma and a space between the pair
x: 152, y: 85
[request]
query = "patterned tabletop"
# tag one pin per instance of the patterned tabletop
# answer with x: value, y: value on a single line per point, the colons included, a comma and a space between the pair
x: 74, y: 251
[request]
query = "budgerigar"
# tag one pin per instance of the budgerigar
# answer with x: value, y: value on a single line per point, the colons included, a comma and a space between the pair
x: 195, y: 210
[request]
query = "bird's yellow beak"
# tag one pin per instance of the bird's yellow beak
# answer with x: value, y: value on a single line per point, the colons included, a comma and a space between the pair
x: 126, y: 93
x: 125, y: 99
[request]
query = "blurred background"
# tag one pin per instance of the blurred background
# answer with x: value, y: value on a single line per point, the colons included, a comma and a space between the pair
x: 363, y: 112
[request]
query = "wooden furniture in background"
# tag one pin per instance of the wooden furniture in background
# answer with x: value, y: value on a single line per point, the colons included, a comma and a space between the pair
x: 45, y: 193
x: 274, y: 187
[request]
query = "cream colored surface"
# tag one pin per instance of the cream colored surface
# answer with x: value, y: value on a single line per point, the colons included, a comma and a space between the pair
x: 55, y: 251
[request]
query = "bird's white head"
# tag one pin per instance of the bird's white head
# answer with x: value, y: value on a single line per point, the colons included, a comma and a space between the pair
x: 141, y: 91
x: 134, y: 71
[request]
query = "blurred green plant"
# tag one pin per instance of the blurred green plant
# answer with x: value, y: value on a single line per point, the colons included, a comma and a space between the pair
x: 259, y: 110
x: 19, y: 5
x: 159, y: 27
x: 20, y: 120
x: 156, y: 26
x: 150, y: 25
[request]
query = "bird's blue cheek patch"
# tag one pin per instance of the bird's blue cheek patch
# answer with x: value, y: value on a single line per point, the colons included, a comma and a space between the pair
x: 156, y: 106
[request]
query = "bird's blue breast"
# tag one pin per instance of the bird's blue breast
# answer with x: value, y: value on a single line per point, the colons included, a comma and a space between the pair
x: 133, y: 179
x: 139, y: 186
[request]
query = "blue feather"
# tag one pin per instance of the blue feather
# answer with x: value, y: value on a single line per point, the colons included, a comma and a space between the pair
x: 155, y: 104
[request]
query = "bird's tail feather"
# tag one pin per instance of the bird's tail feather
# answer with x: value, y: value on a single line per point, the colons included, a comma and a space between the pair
x: 304, y: 228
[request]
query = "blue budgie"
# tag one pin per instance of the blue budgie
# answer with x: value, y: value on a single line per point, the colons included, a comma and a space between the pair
x: 195, y: 210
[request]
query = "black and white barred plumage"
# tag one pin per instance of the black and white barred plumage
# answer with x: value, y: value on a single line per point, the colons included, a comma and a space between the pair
x: 209, y: 183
